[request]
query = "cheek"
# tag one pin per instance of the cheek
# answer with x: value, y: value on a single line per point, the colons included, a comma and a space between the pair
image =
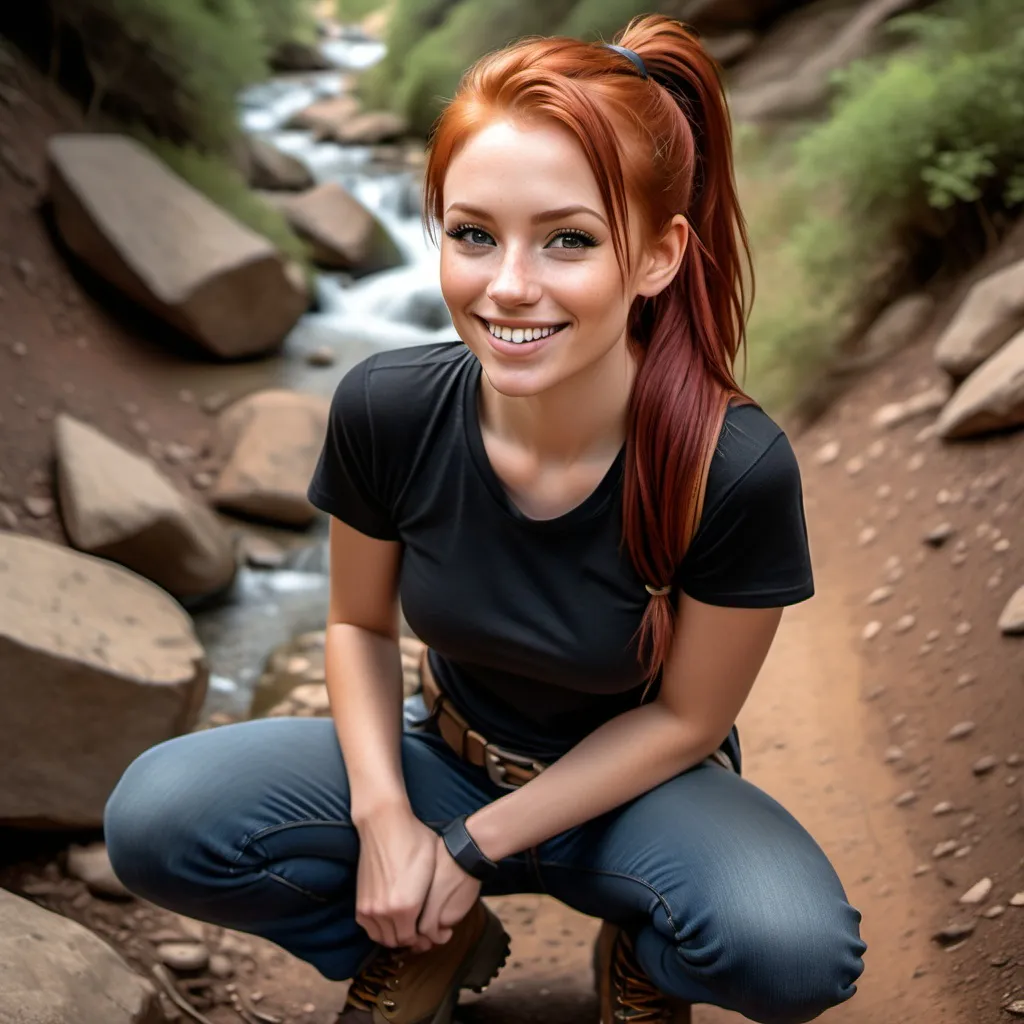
x: 461, y: 279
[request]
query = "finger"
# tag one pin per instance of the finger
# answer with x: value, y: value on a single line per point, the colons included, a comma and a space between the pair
x: 369, y: 925
x: 404, y: 924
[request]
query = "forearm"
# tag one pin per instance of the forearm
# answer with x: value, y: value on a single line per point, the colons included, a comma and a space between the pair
x: 625, y: 757
x: 364, y: 683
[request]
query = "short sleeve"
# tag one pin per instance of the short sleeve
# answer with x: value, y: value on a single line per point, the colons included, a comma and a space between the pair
x: 345, y: 482
x: 751, y: 550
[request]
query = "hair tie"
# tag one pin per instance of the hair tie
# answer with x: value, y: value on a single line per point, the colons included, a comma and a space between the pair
x: 631, y: 55
x: 658, y: 591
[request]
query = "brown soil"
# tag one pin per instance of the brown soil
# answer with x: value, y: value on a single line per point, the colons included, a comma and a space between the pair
x: 816, y: 730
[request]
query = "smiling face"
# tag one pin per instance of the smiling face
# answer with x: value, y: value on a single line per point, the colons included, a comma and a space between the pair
x: 528, y: 269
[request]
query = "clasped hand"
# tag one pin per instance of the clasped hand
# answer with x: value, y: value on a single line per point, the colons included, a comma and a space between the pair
x: 409, y: 890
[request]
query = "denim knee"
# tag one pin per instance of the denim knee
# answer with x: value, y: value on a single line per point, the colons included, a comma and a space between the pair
x: 784, y: 966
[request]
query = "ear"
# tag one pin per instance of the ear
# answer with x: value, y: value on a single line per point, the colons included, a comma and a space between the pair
x: 661, y: 261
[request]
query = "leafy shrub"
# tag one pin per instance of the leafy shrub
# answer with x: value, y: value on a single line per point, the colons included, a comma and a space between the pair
x: 352, y: 11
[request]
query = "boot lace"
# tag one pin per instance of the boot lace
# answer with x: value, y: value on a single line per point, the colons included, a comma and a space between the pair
x: 382, y: 974
x: 639, y: 1002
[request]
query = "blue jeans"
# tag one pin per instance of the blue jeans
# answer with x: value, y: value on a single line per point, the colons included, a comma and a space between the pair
x: 730, y: 901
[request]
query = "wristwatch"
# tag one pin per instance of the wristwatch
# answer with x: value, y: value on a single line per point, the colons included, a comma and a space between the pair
x: 461, y: 845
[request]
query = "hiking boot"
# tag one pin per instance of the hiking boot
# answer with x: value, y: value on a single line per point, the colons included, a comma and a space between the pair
x: 401, y: 987
x: 626, y: 993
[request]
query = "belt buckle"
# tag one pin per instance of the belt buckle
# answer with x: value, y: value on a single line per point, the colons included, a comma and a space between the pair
x: 493, y: 761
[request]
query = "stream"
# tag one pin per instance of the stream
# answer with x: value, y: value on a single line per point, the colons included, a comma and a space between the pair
x: 353, y: 318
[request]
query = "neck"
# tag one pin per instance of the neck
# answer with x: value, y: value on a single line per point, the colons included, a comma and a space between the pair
x: 582, y: 417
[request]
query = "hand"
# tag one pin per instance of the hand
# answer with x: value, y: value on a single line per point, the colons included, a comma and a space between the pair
x: 450, y: 898
x: 396, y: 866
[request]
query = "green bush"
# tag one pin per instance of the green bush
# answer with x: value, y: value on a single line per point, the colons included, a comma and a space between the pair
x: 353, y: 11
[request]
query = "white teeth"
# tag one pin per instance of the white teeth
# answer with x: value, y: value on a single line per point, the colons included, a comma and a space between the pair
x: 519, y: 335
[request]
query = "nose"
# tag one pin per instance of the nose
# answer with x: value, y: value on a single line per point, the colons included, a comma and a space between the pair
x: 515, y: 282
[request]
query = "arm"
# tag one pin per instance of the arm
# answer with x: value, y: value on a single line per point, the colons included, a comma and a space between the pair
x: 716, y: 655
x: 397, y: 853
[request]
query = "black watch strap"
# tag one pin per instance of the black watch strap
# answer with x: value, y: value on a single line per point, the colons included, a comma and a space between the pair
x: 461, y: 845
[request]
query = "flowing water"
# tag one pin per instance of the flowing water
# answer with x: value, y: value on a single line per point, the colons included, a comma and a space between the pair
x: 353, y: 318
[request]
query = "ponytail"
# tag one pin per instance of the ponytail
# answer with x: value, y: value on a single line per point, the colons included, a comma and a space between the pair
x: 687, y: 336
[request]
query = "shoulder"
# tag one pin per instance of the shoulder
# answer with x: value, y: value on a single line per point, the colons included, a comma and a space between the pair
x: 753, y: 458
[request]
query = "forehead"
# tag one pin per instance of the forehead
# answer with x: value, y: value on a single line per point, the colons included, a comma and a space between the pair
x: 511, y: 168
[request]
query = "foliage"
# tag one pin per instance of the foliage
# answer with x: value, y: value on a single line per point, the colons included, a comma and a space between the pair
x: 353, y: 11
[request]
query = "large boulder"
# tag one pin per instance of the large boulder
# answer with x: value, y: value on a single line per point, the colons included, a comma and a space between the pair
x: 97, y: 665
x: 898, y: 325
x: 992, y: 398
x: 118, y: 505
x: 790, y: 73
x: 372, y: 128
x: 992, y: 313
x: 53, y: 970
x: 275, y: 439
x: 166, y: 246
x: 327, y: 117
x: 341, y: 232
x: 269, y: 168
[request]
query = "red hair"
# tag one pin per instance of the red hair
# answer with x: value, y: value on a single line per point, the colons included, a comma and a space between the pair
x: 665, y: 141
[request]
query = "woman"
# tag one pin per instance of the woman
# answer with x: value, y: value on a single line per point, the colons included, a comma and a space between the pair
x: 595, y: 534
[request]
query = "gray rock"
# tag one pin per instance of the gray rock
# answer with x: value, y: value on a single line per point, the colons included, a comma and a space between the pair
x: 1011, y: 619
x: 98, y: 665
x: 118, y: 505
x: 52, y: 970
x: 899, y: 325
x: 270, y: 168
x: 990, y: 316
x: 167, y: 247
x: 991, y: 398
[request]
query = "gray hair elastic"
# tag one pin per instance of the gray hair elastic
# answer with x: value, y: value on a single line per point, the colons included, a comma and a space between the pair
x: 631, y: 55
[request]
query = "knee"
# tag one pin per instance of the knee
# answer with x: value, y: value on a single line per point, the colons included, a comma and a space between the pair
x: 788, y: 966
x: 148, y: 817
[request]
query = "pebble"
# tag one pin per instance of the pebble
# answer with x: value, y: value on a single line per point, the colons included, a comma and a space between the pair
x: 1011, y: 619
x: 915, y: 462
x: 1016, y: 1008
x: 19, y: 348
x: 945, y: 848
x: 938, y: 536
x: 215, y: 402
x: 871, y: 630
x: 8, y: 517
x: 954, y: 932
x: 867, y: 536
x: 921, y: 869
x: 202, y: 480
x: 183, y: 956
x: 968, y: 821
x: 965, y: 679
x: 1001, y: 545
x: 39, y: 508
x: 827, y: 453
x: 905, y: 799
x: 942, y: 807
x: 904, y: 624
x: 961, y: 731
x: 963, y: 851
x: 855, y: 465
x: 993, y: 912
x: 91, y: 865
x: 1013, y: 760
x: 984, y: 764
x: 221, y: 966
x: 893, y: 754
x: 1017, y: 899
x: 186, y: 396
x: 323, y: 356
x: 262, y: 553
x: 978, y: 893
x: 884, y: 491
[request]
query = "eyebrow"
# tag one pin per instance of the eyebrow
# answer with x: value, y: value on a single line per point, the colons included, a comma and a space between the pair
x: 537, y: 218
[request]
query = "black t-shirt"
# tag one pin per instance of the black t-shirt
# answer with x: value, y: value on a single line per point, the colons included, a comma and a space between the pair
x: 531, y: 622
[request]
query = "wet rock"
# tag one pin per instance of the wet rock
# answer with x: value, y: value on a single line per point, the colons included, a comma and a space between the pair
x: 274, y: 438
x: 1011, y: 619
x: 183, y: 956
x: 113, y: 652
x: 372, y: 128
x: 978, y: 893
x: 327, y: 117
x: 121, y: 211
x: 53, y: 969
x: 118, y: 505
x: 984, y: 764
x: 961, y: 731
x: 987, y: 319
x: 342, y: 232
x: 992, y: 398
x: 92, y: 865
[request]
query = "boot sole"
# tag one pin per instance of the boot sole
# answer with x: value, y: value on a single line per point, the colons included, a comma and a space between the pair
x: 479, y: 970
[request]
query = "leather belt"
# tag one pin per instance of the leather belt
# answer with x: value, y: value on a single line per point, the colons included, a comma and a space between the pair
x: 503, y: 767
